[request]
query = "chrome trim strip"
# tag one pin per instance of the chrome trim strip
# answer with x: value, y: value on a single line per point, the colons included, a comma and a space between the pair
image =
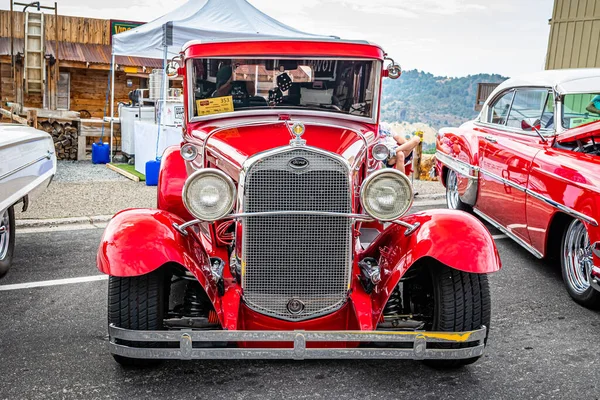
x: 563, y: 208
x: 316, y: 213
x: 547, y: 200
x: 463, y: 168
x: 508, y: 233
x: 299, y: 351
x: 48, y: 156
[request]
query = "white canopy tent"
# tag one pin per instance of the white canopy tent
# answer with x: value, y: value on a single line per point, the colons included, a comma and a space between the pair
x: 203, y: 20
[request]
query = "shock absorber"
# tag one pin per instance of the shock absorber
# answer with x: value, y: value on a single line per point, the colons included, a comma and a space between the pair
x: 394, y: 304
x: 194, y: 300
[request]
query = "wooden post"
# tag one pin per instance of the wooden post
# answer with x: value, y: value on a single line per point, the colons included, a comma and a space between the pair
x: 57, y: 63
x: 12, y: 49
x: 417, y: 156
x: 32, y: 118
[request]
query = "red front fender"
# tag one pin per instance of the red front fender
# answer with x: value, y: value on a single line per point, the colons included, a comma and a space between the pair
x: 454, y: 238
x: 138, y: 241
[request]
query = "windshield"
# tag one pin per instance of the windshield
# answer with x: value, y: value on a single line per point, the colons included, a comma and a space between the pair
x: 331, y: 85
x: 580, y: 109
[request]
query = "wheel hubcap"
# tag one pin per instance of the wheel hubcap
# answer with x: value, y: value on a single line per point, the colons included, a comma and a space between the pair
x: 452, y: 190
x: 4, y: 234
x: 577, y: 257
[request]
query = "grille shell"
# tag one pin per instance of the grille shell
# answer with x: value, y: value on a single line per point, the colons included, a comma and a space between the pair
x: 303, y: 257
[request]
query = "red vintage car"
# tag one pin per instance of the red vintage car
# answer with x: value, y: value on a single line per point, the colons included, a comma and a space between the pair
x: 277, y: 232
x: 529, y: 166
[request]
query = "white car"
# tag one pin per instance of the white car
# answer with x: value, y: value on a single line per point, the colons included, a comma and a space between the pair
x: 27, y: 165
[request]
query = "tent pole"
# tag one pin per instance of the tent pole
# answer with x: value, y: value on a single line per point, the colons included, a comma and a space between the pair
x: 165, y: 92
x: 112, y: 104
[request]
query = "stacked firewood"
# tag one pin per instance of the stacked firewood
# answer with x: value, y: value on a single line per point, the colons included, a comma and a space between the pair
x: 64, y: 136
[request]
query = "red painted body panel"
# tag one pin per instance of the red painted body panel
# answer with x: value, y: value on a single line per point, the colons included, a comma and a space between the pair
x: 570, y: 178
x: 582, y: 132
x: 285, y: 48
x: 509, y: 156
x: 453, y: 238
x: 567, y: 177
x: 461, y: 144
x: 173, y: 173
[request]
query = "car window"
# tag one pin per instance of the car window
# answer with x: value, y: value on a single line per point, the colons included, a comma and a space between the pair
x: 499, y: 110
x: 580, y: 109
x: 527, y: 109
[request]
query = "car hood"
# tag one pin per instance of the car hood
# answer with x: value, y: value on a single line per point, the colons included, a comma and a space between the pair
x: 583, y: 132
x: 228, y: 146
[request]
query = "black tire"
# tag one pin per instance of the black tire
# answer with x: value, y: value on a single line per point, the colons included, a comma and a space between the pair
x: 7, y: 242
x: 462, y: 302
x: 137, y: 303
x: 577, y: 285
x: 453, y: 201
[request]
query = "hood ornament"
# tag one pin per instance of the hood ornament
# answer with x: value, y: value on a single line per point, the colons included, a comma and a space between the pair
x: 297, y: 130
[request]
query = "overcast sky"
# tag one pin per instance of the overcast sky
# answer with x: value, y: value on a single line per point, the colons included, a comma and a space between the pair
x: 444, y: 37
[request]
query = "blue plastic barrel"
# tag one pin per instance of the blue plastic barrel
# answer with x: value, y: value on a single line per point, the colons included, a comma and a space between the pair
x: 100, y: 153
x: 152, y: 169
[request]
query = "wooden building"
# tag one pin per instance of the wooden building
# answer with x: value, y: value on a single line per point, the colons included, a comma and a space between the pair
x: 574, y: 35
x: 76, y: 65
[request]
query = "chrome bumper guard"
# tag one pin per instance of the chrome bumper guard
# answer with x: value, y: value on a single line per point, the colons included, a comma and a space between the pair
x: 299, y: 339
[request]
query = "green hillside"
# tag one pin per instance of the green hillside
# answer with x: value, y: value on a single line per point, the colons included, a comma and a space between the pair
x: 434, y: 100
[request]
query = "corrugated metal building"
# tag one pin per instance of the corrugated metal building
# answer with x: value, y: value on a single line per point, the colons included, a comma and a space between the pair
x: 574, y: 35
x: 78, y: 80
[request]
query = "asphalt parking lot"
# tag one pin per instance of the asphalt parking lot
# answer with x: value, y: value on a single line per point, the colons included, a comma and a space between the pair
x: 53, y: 343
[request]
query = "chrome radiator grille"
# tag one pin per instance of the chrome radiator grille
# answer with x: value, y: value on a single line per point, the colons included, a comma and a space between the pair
x: 296, y: 257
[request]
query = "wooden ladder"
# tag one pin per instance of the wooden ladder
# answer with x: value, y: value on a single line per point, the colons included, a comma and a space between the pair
x: 35, y: 71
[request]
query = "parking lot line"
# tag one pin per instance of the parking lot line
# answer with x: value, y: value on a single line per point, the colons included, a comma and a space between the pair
x: 54, y: 282
x: 500, y: 236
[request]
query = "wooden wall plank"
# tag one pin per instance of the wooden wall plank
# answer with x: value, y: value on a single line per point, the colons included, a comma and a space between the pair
x: 73, y: 29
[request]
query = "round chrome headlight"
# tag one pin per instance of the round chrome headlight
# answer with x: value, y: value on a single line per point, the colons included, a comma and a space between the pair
x: 189, y: 152
x: 380, y: 152
x: 386, y: 194
x: 209, y: 194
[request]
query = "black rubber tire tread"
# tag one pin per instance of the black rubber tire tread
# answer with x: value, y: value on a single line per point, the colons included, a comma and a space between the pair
x: 462, y: 303
x: 591, y: 297
x: 460, y: 206
x: 7, y: 262
x: 137, y: 303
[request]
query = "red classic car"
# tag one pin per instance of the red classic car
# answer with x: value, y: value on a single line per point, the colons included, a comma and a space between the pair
x: 277, y: 232
x: 529, y: 166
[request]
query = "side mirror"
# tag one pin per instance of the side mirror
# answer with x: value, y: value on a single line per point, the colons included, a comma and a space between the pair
x: 173, y: 69
x: 393, y: 70
x: 530, y: 124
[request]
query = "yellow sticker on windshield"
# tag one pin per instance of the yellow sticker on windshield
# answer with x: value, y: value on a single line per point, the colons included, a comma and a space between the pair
x: 215, y: 105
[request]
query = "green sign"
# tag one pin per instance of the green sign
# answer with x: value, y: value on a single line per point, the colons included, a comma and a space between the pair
x: 117, y: 27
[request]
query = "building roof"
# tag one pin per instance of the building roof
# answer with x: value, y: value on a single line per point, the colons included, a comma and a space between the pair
x: 583, y: 80
x: 82, y: 52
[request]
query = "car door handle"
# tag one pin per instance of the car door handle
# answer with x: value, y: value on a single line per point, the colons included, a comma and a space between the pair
x: 490, y: 139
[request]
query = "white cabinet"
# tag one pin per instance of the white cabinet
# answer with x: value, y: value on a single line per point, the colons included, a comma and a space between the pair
x: 128, y: 116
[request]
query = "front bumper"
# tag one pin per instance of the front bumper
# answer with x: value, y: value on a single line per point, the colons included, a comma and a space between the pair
x: 420, y: 341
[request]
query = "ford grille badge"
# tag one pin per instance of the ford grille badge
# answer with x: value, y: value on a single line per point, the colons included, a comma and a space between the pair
x: 298, y: 163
